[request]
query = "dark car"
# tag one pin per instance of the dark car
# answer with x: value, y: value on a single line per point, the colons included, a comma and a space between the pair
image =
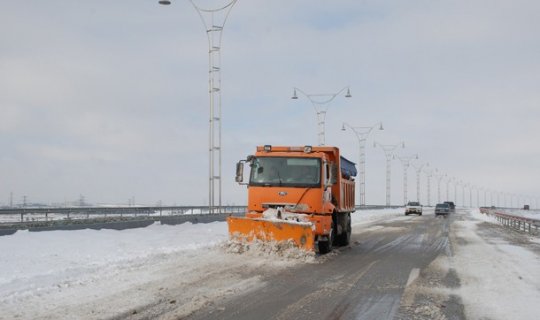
x: 442, y: 209
x: 452, y: 206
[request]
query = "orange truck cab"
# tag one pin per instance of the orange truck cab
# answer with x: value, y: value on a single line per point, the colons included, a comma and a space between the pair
x: 304, y: 194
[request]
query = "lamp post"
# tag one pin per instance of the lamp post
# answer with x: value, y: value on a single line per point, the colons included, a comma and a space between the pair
x: 512, y: 204
x: 213, y: 20
x: 418, y: 168
x: 362, y: 134
x: 388, y: 153
x: 471, y: 187
x: 463, y: 186
x: 320, y: 102
x: 448, y: 187
x: 439, y: 176
x: 456, y: 183
x: 406, y: 162
x: 429, y: 173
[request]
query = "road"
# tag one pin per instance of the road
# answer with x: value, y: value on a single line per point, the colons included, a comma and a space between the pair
x: 466, y: 266
x: 397, y: 267
x: 367, y: 280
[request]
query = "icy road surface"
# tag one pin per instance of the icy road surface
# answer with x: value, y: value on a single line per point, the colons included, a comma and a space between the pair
x: 397, y: 267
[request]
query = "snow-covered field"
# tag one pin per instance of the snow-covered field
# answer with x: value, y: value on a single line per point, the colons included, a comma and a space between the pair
x: 89, y: 274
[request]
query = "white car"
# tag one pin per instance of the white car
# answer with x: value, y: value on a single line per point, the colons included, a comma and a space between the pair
x: 413, y: 207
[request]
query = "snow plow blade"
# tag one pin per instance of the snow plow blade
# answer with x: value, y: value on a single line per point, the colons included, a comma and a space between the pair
x: 249, y: 229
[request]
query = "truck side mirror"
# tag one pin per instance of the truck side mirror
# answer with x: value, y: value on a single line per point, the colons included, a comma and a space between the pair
x: 240, y: 172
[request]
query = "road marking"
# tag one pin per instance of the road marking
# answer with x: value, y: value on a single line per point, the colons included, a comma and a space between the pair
x: 415, y: 272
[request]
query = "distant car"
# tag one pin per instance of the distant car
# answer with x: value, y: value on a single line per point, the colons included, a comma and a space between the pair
x: 452, y: 206
x: 413, y: 207
x: 442, y: 209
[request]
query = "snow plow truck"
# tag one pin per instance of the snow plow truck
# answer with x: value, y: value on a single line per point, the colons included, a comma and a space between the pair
x: 302, y: 194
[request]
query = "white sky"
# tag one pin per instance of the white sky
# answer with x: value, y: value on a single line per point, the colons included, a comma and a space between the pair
x: 108, y: 99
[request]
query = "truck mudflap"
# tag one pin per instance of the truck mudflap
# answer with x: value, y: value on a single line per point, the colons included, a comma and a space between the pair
x: 249, y: 229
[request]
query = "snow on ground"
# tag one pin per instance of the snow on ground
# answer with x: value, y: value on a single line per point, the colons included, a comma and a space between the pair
x: 50, y: 274
x: 101, y: 273
x: 533, y: 214
x: 365, y: 217
x: 105, y: 273
x: 499, y: 279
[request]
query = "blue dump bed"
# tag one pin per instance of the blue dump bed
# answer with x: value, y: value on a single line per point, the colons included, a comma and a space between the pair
x: 348, y: 168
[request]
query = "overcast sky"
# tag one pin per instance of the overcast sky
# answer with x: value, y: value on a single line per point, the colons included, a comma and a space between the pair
x: 108, y: 99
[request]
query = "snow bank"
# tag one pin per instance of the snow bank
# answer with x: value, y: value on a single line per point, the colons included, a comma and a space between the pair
x: 523, y: 213
x: 44, y: 272
x: 284, y: 250
x: 477, y: 215
x: 362, y: 217
x: 28, y: 255
x: 104, y: 273
x: 499, y: 280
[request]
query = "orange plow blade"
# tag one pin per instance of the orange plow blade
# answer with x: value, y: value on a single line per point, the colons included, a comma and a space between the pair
x: 271, y: 230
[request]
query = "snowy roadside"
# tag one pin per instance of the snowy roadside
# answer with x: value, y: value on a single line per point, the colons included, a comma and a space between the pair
x: 493, y: 272
x: 499, y: 279
x: 105, y: 273
x: 74, y: 274
x: 532, y: 214
x: 366, y: 217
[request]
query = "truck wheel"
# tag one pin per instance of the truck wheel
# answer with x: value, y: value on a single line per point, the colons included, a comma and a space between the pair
x: 326, y: 245
x: 344, y: 238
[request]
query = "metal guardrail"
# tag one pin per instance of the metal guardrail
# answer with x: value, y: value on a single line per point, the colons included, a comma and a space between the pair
x: 119, y: 218
x: 40, y: 214
x: 515, y: 222
x: 25, y: 215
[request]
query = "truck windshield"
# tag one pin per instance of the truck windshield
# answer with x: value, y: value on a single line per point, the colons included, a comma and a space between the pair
x: 282, y: 171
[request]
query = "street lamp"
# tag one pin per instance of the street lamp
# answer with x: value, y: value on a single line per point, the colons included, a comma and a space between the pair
x: 439, y: 177
x: 471, y: 187
x: 362, y: 134
x: 406, y: 162
x: 388, y: 152
x: 320, y: 102
x: 463, y: 186
x: 214, y: 30
x: 448, y: 187
x: 429, y: 173
x: 418, y: 168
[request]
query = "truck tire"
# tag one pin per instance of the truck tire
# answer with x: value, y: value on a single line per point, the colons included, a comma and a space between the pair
x: 326, y: 246
x: 344, y: 238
